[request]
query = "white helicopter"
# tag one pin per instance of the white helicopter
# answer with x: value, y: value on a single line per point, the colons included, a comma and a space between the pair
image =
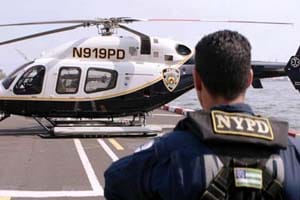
x: 109, y: 75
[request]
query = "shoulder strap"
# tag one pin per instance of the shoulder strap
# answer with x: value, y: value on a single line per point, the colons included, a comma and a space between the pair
x: 219, y: 186
x: 273, y: 177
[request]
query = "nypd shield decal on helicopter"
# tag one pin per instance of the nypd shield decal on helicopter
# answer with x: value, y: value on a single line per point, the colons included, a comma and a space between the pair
x: 171, y: 77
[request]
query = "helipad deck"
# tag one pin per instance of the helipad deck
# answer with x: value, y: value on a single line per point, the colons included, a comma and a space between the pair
x: 61, y: 168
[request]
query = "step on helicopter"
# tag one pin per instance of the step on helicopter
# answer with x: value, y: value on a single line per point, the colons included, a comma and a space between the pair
x: 109, y: 76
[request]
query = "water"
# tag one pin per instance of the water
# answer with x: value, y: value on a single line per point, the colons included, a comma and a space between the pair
x: 278, y: 99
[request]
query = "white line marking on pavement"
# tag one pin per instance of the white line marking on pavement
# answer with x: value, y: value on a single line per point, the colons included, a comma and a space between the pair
x: 106, y: 148
x: 165, y: 126
x: 88, y: 167
x: 97, y: 189
x: 48, y: 194
x: 167, y: 115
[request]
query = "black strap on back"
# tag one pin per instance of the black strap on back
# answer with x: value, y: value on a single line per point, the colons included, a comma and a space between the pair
x: 272, y: 187
x: 222, y: 186
x: 219, y: 186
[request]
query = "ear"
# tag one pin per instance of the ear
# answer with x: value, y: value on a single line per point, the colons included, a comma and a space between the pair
x: 197, y: 80
x: 250, y: 78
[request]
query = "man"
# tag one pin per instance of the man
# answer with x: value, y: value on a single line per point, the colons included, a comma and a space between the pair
x: 221, y: 152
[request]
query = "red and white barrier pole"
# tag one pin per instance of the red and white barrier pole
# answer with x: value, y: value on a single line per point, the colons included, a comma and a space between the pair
x: 176, y: 109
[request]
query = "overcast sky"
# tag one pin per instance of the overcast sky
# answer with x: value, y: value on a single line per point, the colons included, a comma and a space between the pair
x: 269, y: 42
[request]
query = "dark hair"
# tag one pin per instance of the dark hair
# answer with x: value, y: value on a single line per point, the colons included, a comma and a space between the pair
x: 223, y: 61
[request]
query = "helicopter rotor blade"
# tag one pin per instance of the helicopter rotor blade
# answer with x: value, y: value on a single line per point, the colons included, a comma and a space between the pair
x: 220, y: 21
x: 42, y: 34
x: 107, y: 22
x: 117, y: 20
x: 130, y: 20
x: 86, y: 22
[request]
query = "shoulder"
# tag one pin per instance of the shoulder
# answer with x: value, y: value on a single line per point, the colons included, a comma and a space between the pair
x: 180, y: 141
x: 291, y: 160
x: 154, y: 150
x: 294, y: 142
x: 159, y: 150
x: 293, y: 147
x: 292, y: 153
x: 170, y: 156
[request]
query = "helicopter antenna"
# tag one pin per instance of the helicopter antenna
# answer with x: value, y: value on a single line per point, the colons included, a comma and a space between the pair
x: 22, y: 54
x: 221, y: 21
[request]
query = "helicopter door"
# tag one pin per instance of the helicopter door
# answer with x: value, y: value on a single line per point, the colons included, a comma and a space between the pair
x: 31, y: 82
x: 99, y: 80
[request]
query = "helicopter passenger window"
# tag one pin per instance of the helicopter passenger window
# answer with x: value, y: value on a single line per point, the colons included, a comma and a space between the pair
x: 100, y: 79
x: 31, y: 82
x: 68, y: 80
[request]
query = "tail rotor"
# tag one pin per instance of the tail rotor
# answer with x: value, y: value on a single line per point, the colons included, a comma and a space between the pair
x: 293, y: 69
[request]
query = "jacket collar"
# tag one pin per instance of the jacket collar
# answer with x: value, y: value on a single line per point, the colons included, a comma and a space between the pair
x: 238, y: 107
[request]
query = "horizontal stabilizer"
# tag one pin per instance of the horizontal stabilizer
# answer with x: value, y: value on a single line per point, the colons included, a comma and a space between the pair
x: 256, y: 83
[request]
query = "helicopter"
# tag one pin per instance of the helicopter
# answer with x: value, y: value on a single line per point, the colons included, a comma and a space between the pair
x: 109, y: 75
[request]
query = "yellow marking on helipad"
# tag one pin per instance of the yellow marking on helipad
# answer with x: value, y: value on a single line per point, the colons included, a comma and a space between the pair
x: 116, y: 144
x: 5, y: 198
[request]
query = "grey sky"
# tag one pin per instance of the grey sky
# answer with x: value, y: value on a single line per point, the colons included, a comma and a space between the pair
x: 269, y: 42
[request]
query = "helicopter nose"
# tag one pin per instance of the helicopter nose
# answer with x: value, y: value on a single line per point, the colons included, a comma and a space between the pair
x: 188, y: 66
x: 186, y: 75
x: 187, y: 69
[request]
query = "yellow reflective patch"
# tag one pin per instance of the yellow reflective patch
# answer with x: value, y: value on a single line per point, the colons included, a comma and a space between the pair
x: 241, y: 124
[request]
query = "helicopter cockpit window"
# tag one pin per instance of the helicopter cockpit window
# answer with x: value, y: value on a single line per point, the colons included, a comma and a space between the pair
x: 68, y: 80
x: 10, y: 79
x: 99, y: 80
x: 183, y: 50
x: 31, y: 82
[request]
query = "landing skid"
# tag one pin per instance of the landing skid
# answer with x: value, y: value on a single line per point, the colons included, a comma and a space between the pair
x: 83, y: 127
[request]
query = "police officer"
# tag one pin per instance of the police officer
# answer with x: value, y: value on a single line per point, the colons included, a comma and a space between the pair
x: 224, y: 151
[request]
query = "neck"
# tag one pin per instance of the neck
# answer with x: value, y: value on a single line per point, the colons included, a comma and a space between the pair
x: 221, y: 100
x: 210, y: 101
